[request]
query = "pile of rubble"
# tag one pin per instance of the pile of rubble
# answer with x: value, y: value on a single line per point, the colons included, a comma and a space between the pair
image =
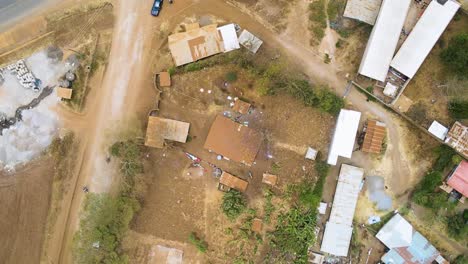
x: 25, y: 77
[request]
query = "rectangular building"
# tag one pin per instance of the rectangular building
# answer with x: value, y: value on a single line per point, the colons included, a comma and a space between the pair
x: 457, y: 138
x: 363, y: 10
x: 344, y: 136
x: 233, y: 140
x: 424, y: 36
x: 384, y: 39
x: 339, y: 228
x: 200, y: 42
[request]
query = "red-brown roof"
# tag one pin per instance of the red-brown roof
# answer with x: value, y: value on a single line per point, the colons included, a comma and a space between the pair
x: 234, y: 182
x: 241, y: 107
x: 257, y: 225
x: 374, y: 137
x: 233, y: 140
x: 459, y: 179
x: 164, y: 79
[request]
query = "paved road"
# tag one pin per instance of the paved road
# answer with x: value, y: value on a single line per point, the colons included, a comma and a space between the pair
x: 12, y: 11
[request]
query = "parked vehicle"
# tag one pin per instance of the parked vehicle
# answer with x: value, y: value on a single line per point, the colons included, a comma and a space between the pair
x: 157, y: 5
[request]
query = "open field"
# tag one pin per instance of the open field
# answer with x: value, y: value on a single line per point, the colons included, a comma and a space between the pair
x: 25, y: 200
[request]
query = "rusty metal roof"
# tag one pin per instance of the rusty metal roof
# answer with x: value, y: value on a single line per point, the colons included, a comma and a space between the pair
x: 234, y: 182
x: 374, y: 137
x: 233, y: 140
x: 457, y: 138
x: 241, y: 107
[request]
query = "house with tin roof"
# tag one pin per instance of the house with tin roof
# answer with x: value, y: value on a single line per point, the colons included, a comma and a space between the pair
x: 406, y: 245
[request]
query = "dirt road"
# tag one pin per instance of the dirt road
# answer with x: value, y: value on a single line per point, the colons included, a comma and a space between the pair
x: 109, y: 104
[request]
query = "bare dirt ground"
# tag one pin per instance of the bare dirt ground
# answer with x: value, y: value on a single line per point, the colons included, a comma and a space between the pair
x: 182, y: 203
x: 24, y: 199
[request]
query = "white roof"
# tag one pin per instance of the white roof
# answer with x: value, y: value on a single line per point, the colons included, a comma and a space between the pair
x: 344, y: 136
x: 339, y: 227
x: 363, y: 10
x: 424, y: 36
x: 336, y: 239
x: 346, y: 195
x: 311, y: 153
x: 384, y: 39
x: 322, y: 208
x: 396, y: 233
x: 438, y: 130
x: 229, y: 35
x: 250, y: 41
x: 390, y: 90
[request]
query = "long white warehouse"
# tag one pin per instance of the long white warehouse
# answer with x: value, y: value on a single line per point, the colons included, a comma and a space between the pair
x: 344, y: 136
x: 339, y: 228
x: 384, y: 39
x: 424, y: 36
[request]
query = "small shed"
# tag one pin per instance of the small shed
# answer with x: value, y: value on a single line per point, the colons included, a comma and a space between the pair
x: 390, y: 90
x: 164, y: 79
x: 233, y: 182
x: 322, y: 208
x: 438, y: 130
x: 316, y: 258
x: 250, y: 41
x: 161, y: 129
x: 241, y: 107
x: 257, y: 225
x: 311, y: 153
x: 270, y: 179
x: 64, y: 93
x: 374, y: 138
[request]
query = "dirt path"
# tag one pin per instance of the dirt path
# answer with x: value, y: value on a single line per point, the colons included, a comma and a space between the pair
x: 108, y: 105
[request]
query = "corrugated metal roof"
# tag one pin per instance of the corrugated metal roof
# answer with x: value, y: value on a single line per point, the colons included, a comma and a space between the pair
x: 424, y: 36
x: 374, y: 137
x: 346, y: 195
x: 457, y: 138
x: 336, y: 239
x: 233, y: 182
x: 363, y: 10
x: 229, y: 35
x: 344, y: 136
x: 459, y: 178
x: 339, y: 228
x: 406, y: 245
x: 233, y: 140
x: 384, y: 39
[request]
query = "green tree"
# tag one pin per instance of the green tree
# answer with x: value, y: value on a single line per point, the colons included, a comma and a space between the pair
x: 233, y: 204
x: 457, y: 225
x: 200, y: 244
x: 458, y: 109
x: 455, y: 56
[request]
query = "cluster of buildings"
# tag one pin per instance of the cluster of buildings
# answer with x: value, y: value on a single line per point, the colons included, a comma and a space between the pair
x: 391, y: 70
x: 197, y: 42
x: 25, y: 77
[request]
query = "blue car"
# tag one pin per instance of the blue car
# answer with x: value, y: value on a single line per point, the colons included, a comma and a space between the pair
x: 156, y: 7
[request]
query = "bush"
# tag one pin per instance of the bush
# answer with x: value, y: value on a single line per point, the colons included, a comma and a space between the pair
x: 295, y: 230
x: 233, y: 204
x: 104, y: 222
x: 455, y: 56
x: 231, y: 76
x: 458, y: 109
x: 129, y: 154
x: 457, y: 225
x: 200, y: 244
x: 462, y: 259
